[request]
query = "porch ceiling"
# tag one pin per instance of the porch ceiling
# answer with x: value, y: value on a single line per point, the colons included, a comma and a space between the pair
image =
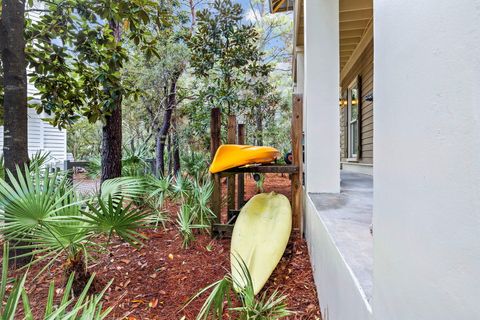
x: 356, y: 16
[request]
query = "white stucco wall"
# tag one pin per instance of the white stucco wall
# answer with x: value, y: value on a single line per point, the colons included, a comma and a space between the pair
x: 427, y: 160
x: 321, y: 82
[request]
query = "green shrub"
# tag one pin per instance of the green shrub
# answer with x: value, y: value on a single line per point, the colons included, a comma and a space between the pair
x: 43, y: 210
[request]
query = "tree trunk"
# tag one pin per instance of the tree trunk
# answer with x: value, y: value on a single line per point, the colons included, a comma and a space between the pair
x: 161, y: 139
x: 164, y: 129
x: 112, y: 144
x: 112, y: 130
x: 259, y: 129
x: 170, y: 153
x: 176, y: 148
x: 15, y: 144
x: 15, y: 147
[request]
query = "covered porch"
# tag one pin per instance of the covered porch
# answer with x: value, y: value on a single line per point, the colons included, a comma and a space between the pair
x: 425, y: 108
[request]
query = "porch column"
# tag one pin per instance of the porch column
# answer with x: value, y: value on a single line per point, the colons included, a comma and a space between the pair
x: 300, y: 71
x: 321, y: 83
x: 427, y: 160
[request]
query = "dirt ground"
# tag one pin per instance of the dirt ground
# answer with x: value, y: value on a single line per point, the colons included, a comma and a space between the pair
x: 155, y: 281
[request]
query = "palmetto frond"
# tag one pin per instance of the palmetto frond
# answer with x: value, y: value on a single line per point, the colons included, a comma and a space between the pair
x: 34, y: 198
x: 111, y: 218
x: 159, y: 189
x: 124, y: 187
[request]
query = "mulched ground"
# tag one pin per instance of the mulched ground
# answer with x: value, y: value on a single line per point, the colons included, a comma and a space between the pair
x: 155, y: 281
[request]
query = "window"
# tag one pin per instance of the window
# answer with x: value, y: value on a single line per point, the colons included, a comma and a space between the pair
x: 353, y: 119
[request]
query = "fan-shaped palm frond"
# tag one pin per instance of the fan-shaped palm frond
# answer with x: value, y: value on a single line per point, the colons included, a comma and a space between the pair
x: 32, y: 200
x: 159, y: 188
x: 182, y: 187
x: 131, y: 188
x: 39, y: 159
x: 111, y: 218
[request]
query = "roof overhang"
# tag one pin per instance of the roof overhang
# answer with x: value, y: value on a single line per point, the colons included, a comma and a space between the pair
x: 280, y: 5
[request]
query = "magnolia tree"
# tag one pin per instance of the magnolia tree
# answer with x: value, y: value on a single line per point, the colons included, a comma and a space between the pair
x: 77, y: 51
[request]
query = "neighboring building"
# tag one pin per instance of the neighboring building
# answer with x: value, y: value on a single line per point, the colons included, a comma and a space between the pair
x: 392, y: 136
x: 42, y: 136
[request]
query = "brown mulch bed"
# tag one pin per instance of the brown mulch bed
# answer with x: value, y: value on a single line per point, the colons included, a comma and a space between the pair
x: 155, y: 281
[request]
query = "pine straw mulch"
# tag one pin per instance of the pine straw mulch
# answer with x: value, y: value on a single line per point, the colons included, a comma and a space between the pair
x: 155, y: 281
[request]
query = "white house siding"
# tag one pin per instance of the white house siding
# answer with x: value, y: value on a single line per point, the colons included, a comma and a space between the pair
x: 43, y: 137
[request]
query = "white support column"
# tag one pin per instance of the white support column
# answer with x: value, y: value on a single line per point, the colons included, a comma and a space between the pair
x: 427, y: 160
x: 322, y: 135
x: 300, y: 81
x: 300, y: 71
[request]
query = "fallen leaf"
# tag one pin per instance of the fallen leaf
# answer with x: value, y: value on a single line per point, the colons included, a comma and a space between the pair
x: 153, y: 303
x: 137, y: 301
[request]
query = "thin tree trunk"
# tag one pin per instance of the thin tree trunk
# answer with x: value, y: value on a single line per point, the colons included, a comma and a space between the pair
x: 192, y: 14
x: 15, y: 143
x: 162, y: 137
x: 112, y: 130
x: 176, y: 148
x: 170, y: 158
x: 164, y: 129
x: 259, y: 129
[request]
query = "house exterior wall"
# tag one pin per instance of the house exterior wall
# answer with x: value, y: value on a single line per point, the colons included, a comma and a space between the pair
x: 427, y: 160
x: 363, y: 68
x: 43, y: 137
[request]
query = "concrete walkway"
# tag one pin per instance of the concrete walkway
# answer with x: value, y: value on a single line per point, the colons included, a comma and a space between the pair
x: 348, y: 217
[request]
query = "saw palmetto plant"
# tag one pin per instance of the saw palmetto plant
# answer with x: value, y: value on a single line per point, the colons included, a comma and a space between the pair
x: 265, y: 307
x: 195, y: 165
x: 201, y: 194
x: 182, y: 187
x: 158, y: 189
x: 186, y: 224
x: 83, y: 306
x: 42, y: 212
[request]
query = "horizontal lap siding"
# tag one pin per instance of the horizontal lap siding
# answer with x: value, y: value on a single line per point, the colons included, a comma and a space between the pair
x: 363, y: 68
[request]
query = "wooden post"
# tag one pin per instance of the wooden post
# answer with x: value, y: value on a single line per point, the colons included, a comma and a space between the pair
x: 231, y: 139
x: 241, y: 177
x: 215, y: 126
x: 297, y: 153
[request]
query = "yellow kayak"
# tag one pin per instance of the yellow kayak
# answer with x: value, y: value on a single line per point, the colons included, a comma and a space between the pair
x: 259, y: 237
x: 230, y: 156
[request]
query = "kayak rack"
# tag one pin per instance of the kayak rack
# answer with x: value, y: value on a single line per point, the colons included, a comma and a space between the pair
x: 235, y: 177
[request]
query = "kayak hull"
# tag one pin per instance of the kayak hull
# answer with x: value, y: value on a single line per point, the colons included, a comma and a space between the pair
x: 230, y: 156
x: 260, y: 236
